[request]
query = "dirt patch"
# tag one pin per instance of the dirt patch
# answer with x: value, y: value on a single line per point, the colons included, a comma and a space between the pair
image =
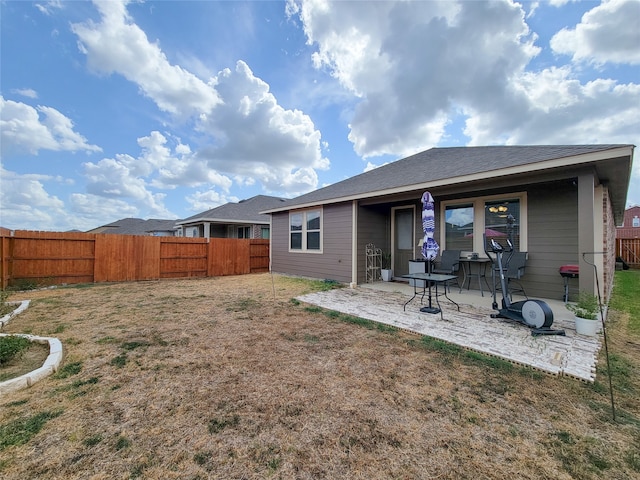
x: 231, y: 378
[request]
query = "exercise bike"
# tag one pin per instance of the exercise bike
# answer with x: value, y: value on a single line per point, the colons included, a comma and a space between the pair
x: 534, y: 314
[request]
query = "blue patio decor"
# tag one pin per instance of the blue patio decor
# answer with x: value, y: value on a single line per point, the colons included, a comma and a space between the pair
x: 430, y: 247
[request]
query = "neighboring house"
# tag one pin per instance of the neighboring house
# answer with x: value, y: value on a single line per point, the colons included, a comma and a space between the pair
x: 232, y: 220
x: 628, y: 238
x: 138, y: 226
x: 563, y: 201
x: 630, y: 227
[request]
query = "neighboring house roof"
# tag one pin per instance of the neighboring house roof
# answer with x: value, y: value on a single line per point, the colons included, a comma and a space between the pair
x: 244, y: 211
x: 627, y: 230
x: 448, y: 166
x: 136, y: 226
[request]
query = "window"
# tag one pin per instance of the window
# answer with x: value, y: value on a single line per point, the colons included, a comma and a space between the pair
x: 636, y: 221
x: 502, y: 221
x: 459, y: 227
x: 264, y: 233
x: 244, y: 232
x: 305, y: 231
x: 500, y: 217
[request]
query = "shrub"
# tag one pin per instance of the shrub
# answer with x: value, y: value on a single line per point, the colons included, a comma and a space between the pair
x: 12, y: 346
x: 5, y: 308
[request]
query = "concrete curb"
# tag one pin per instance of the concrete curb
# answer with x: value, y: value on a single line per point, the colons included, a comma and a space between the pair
x: 21, y: 308
x: 50, y: 365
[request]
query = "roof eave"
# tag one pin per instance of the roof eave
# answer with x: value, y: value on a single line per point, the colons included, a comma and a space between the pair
x: 224, y: 220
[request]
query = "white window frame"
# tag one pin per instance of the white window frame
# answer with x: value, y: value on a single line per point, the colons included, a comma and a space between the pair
x: 479, y: 217
x: 304, y: 231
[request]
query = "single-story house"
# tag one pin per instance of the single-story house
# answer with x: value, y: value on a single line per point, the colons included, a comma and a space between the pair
x: 232, y: 220
x: 557, y: 202
x: 138, y: 226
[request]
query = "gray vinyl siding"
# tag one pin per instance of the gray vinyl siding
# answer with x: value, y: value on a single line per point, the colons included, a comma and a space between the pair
x: 553, y: 238
x: 552, y: 214
x: 334, y: 263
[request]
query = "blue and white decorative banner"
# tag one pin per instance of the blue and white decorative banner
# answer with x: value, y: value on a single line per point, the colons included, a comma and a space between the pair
x: 430, y: 247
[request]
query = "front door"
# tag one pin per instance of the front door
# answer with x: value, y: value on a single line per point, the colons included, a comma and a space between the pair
x: 402, y: 237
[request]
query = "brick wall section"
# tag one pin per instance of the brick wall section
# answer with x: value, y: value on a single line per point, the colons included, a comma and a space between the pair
x: 609, y: 244
x: 256, y: 231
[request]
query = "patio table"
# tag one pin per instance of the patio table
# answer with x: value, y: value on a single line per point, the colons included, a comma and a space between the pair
x: 430, y: 280
x: 479, y: 273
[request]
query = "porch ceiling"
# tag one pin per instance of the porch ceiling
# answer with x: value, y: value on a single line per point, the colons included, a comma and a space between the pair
x: 571, y: 355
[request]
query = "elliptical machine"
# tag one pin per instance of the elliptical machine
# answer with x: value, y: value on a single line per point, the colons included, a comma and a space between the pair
x: 534, y: 314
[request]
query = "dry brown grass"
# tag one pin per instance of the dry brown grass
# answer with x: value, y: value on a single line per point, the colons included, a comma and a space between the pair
x: 219, y: 378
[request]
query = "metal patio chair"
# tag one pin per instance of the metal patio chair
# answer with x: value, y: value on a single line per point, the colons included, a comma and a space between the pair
x: 449, y: 265
x: 513, y: 272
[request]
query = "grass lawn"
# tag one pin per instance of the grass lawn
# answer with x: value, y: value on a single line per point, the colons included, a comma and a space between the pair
x: 232, y: 378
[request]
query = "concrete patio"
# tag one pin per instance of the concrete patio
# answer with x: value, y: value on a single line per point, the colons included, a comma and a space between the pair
x: 472, y: 327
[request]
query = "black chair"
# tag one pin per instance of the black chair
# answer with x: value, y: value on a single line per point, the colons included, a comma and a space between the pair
x: 513, y: 272
x: 449, y: 265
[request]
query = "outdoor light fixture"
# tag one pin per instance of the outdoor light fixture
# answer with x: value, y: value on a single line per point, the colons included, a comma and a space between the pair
x: 498, y: 209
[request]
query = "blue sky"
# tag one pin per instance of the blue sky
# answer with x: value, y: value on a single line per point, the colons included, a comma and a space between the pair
x: 163, y: 109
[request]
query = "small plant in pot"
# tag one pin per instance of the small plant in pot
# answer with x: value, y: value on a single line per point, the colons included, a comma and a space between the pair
x: 386, y: 272
x: 586, y: 311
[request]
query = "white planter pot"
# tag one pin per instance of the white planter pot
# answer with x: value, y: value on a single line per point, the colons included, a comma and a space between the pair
x: 387, y: 275
x: 585, y: 326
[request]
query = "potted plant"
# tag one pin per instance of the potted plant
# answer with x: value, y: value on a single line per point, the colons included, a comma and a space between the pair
x: 586, y: 311
x: 386, y: 272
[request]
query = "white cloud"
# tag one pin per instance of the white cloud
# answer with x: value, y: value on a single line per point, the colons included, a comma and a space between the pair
x: 25, y: 92
x: 259, y: 140
x: 49, y: 7
x: 414, y: 63
x: 137, y: 179
x: 251, y: 138
x: 26, y: 204
x: 601, y: 111
x: 202, y: 201
x: 117, y: 45
x: 90, y: 211
x: 372, y: 166
x: 418, y: 67
x: 607, y: 33
x: 27, y: 129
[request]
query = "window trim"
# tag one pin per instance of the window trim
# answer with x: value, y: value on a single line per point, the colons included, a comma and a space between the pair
x: 304, y: 231
x: 479, y: 218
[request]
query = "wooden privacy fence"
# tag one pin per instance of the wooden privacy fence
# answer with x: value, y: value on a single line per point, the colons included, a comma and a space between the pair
x: 50, y: 258
x: 629, y: 250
